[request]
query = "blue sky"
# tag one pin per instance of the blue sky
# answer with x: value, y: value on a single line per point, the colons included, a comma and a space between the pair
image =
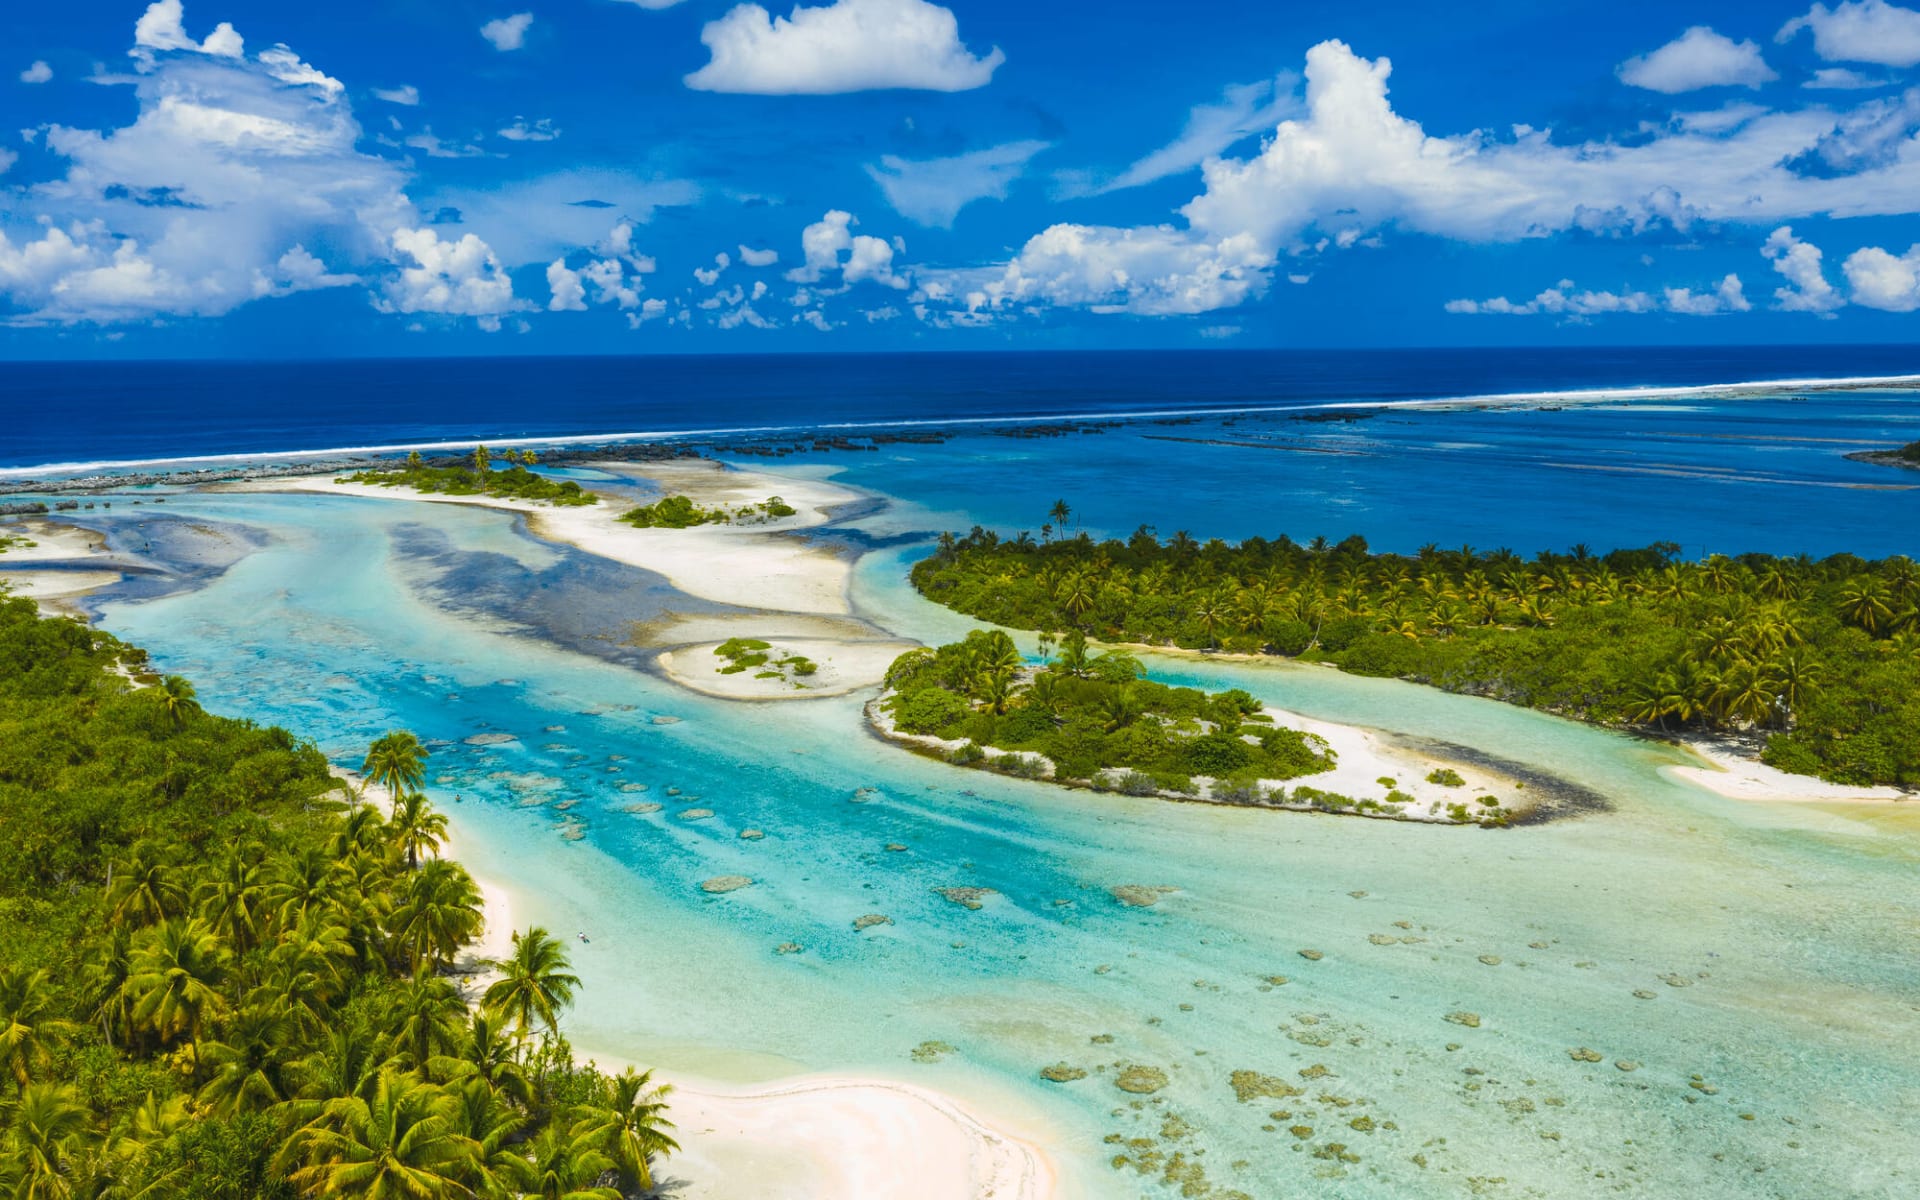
x: 236, y: 178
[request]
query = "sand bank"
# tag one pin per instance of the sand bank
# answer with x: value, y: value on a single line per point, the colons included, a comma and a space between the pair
x: 54, y: 570
x: 750, y: 566
x: 796, y: 594
x: 843, y: 666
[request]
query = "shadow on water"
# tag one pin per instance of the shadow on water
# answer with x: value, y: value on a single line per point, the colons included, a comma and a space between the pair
x: 580, y: 602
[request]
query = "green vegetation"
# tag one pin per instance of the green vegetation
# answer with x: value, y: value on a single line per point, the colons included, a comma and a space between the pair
x: 1821, y: 657
x: 1094, y: 719
x: 1446, y: 777
x: 679, y: 512
x: 223, y: 978
x: 752, y: 654
x: 9, y: 540
x: 1909, y: 452
x: 479, y: 478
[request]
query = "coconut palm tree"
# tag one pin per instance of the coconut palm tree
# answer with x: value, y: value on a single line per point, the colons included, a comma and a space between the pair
x: 363, y: 829
x: 497, y: 1167
x: 639, y: 1127
x: 310, y: 883
x: 106, y: 975
x: 30, y: 1024
x: 177, y: 700
x: 484, y: 1053
x: 423, y: 1021
x: 232, y: 899
x: 1797, y: 675
x: 350, y: 1061
x: 402, y: 1144
x: 46, y: 1128
x: 396, y: 761
x: 1059, y: 515
x: 568, y: 1163
x: 251, y: 1071
x: 415, y: 828
x: 535, y: 983
x: 439, y: 912
x: 1078, y: 593
x: 174, y: 982
x: 147, y: 889
x: 1868, y: 604
x: 1745, y: 694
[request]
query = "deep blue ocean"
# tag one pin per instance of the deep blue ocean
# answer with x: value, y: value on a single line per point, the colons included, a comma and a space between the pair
x: 108, y: 412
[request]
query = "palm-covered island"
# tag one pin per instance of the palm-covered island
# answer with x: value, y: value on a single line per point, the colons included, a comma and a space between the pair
x: 1819, y: 659
x: 478, y: 476
x: 1096, y: 721
x: 223, y: 977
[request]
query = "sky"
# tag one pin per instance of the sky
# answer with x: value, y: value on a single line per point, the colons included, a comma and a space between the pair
x: 236, y: 178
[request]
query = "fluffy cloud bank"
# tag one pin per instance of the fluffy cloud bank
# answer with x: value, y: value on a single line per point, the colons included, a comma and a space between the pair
x: 1562, y: 300
x: 848, y: 46
x: 231, y: 163
x: 1350, y: 165
x: 1698, y: 58
x: 238, y: 179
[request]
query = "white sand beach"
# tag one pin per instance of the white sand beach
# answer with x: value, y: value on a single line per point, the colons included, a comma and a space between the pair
x: 1739, y: 777
x: 831, y: 1138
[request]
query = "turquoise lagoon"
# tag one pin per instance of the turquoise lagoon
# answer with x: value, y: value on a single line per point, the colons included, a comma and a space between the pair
x: 1752, y: 964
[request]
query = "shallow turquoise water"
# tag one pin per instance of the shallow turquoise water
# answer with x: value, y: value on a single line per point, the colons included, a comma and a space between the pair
x: 1790, y: 928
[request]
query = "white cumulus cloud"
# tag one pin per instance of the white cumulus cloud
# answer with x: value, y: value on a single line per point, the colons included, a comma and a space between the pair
x: 758, y: 258
x: 847, y: 46
x: 1727, y: 296
x: 406, y: 94
x: 822, y: 244
x: 568, y: 294
x: 932, y: 191
x: 39, y: 72
x: 1878, y: 279
x: 1698, y: 58
x: 1869, y: 31
x: 1799, y: 263
x: 235, y: 177
x: 459, y: 277
x: 163, y: 27
x: 507, y: 33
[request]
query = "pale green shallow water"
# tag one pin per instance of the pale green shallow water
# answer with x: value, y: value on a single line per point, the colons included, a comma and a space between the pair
x: 1793, y: 928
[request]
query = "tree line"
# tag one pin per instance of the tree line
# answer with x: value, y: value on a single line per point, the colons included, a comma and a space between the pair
x: 1820, y: 657
x: 224, y: 976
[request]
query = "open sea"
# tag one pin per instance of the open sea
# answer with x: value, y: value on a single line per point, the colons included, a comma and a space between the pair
x: 1746, y: 972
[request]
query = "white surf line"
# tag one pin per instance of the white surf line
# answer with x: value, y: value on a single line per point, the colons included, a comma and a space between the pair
x: 1664, y: 392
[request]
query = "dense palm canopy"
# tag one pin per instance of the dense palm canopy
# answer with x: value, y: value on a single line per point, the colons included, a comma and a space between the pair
x: 1820, y: 656
x: 251, y: 979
